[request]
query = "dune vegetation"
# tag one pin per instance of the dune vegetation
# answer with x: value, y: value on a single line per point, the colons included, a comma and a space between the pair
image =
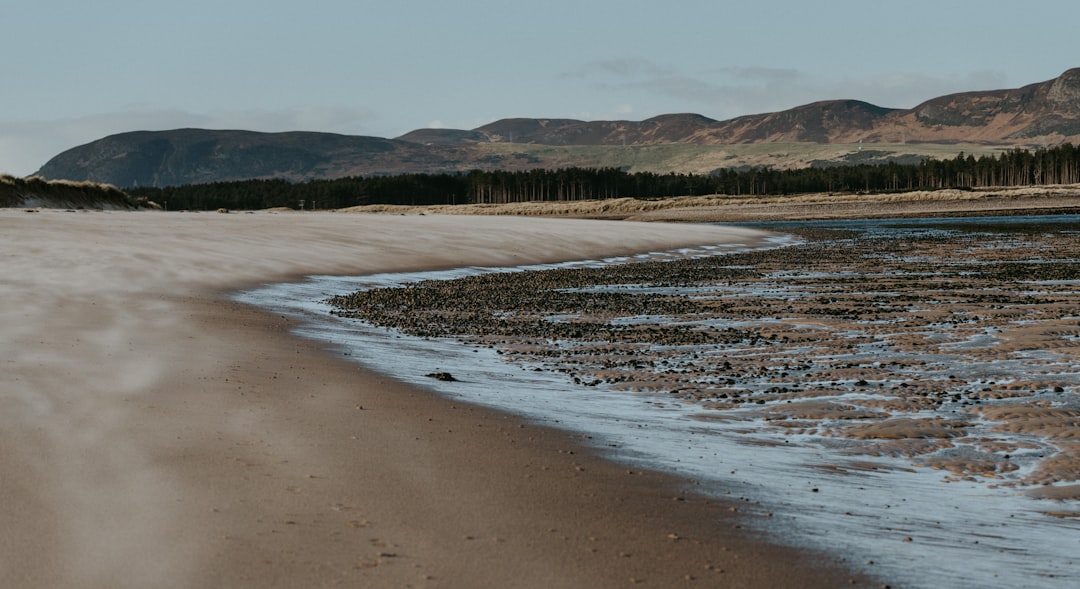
x: 710, y: 208
x: 34, y: 192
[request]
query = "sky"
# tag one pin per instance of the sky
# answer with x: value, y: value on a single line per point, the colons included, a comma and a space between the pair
x: 73, y: 71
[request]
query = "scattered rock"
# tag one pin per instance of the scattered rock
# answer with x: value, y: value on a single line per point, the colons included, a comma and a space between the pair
x: 619, y: 327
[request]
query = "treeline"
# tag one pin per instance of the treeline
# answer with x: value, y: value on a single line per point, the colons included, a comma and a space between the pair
x: 1058, y: 165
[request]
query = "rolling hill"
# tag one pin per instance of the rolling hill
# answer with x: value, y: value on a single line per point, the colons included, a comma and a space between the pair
x: 1045, y: 113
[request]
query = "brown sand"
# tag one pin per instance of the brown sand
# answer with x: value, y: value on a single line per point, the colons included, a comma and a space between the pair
x: 1054, y: 199
x: 868, y: 209
x: 154, y: 434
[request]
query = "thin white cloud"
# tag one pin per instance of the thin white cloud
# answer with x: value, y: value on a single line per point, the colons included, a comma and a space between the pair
x: 902, y: 90
x: 630, y: 67
x: 330, y: 119
x: 761, y: 74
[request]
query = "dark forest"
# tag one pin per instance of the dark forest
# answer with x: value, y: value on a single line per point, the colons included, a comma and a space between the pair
x: 1057, y: 165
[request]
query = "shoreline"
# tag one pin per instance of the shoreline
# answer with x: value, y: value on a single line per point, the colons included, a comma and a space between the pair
x: 535, y: 507
x: 954, y: 387
x: 157, y: 434
x: 525, y: 307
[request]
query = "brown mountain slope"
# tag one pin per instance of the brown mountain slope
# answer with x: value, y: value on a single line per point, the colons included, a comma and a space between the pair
x: 1045, y: 113
x: 832, y: 121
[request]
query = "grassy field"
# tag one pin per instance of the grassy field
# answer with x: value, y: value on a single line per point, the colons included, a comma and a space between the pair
x: 723, y: 208
x: 704, y: 159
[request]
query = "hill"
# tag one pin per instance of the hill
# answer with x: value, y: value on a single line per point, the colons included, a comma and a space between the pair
x: 1045, y: 113
x: 193, y: 156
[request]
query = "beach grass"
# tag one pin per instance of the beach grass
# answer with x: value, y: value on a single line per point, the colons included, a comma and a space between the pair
x: 687, y: 158
x: 729, y: 207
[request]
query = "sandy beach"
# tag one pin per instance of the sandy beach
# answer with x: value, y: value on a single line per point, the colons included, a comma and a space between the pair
x: 901, y: 390
x: 155, y: 433
x: 1025, y: 200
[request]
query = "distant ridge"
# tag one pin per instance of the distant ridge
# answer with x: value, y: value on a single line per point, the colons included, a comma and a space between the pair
x: 193, y: 156
x: 1045, y: 113
x: 1042, y: 113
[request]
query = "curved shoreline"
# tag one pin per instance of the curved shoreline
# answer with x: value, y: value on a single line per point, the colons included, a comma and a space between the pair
x: 156, y: 435
x: 666, y: 379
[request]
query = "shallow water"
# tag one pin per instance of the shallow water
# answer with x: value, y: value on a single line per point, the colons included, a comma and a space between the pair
x: 918, y: 526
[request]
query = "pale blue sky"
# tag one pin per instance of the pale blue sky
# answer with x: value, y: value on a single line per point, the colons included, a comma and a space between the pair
x: 77, y: 70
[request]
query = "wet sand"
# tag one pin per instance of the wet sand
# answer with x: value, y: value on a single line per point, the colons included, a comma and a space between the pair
x: 951, y: 350
x: 156, y: 434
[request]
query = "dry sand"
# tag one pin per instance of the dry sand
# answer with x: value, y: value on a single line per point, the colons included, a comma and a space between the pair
x: 748, y: 208
x: 155, y: 434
